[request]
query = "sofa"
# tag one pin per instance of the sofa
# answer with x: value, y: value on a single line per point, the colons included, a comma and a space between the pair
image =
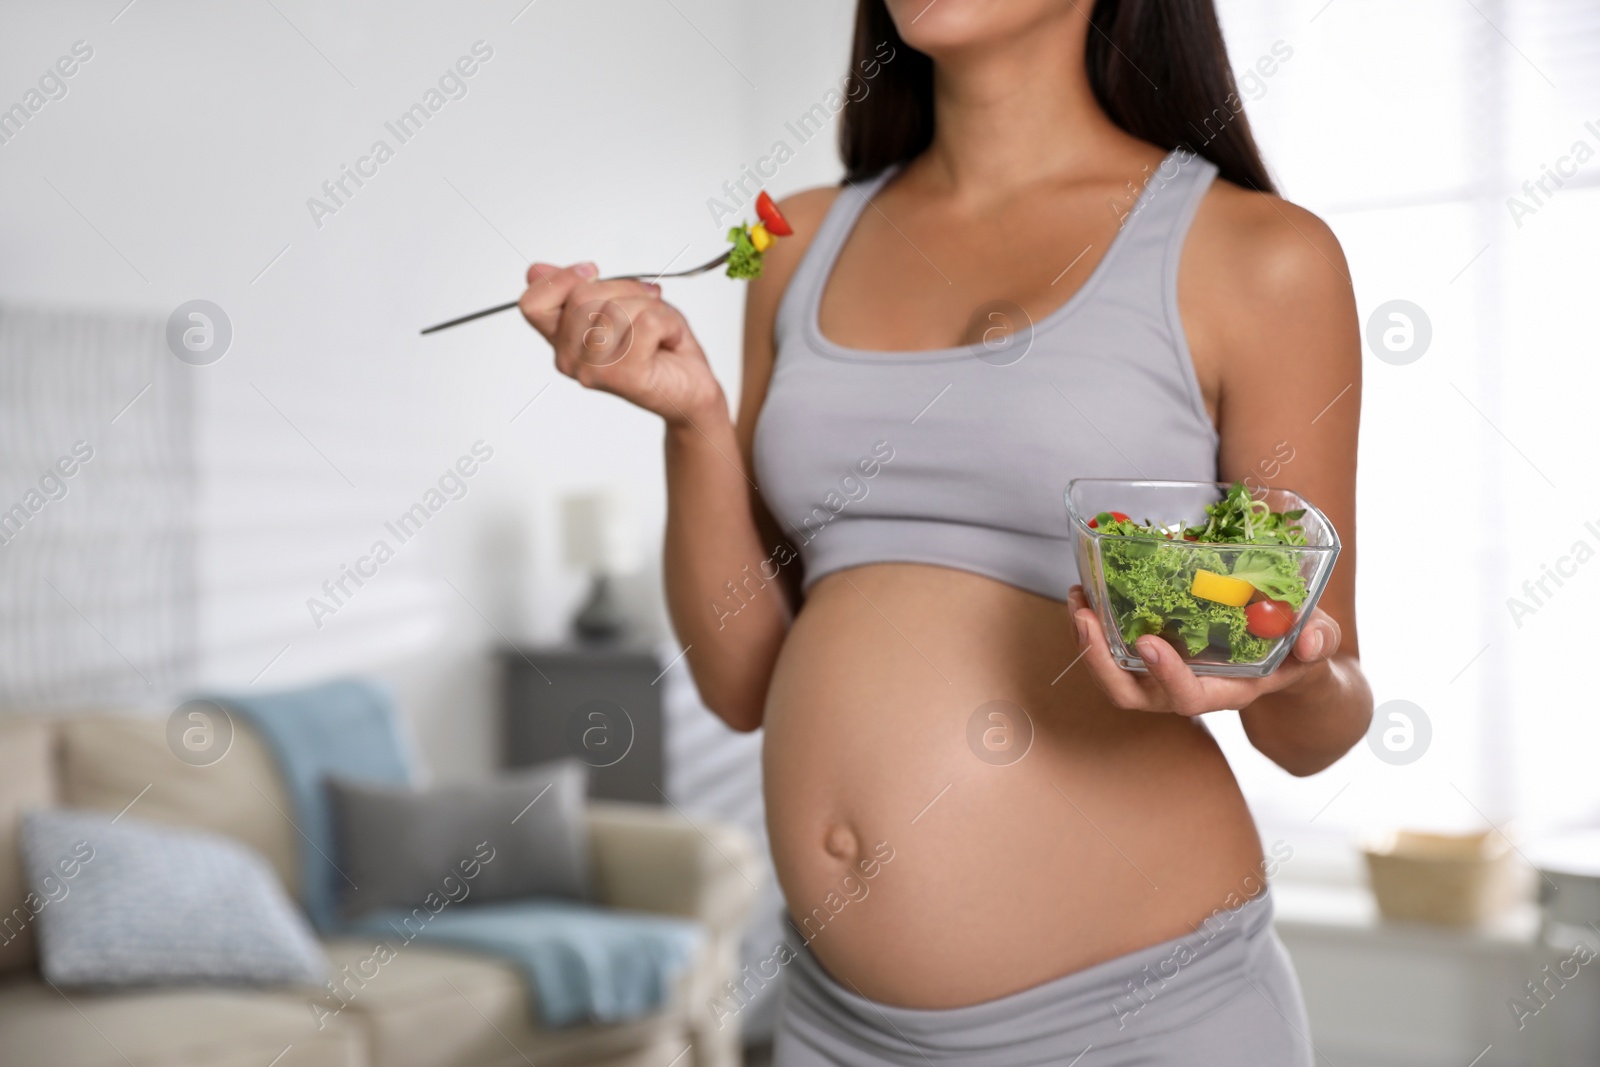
x: 430, y: 1007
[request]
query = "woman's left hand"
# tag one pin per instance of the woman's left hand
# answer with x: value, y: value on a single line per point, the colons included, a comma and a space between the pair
x: 1172, y: 687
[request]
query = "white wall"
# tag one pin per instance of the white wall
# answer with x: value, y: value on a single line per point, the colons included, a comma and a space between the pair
x: 188, y: 146
x: 190, y: 143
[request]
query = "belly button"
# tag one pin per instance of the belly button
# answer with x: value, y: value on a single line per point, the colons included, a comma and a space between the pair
x: 840, y: 843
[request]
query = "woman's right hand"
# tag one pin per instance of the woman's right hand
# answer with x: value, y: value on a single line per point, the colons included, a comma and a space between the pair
x: 622, y: 338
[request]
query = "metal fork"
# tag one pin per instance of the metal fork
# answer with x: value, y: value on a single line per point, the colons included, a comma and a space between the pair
x: 701, y: 269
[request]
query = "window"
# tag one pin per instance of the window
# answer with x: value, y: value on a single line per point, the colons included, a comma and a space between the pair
x: 1454, y: 147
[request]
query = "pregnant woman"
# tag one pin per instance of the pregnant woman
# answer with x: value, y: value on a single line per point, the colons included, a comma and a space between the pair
x: 1056, y: 254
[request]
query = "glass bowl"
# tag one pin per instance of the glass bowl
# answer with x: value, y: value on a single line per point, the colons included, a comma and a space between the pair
x: 1185, y: 591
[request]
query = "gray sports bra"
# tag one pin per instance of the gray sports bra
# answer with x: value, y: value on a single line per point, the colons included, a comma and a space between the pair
x: 959, y: 456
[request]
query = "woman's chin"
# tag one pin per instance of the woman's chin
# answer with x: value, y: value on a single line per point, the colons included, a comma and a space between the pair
x: 940, y: 28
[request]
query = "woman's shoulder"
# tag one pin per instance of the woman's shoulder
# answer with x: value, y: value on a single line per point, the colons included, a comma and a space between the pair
x: 809, y: 204
x: 1263, y: 280
x: 1263, y: 247
x: 805, y: 212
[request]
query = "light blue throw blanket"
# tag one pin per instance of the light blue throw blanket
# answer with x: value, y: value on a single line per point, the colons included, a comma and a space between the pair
x: 344, y: 728
x: 583, y: 963
x: 587, y: 964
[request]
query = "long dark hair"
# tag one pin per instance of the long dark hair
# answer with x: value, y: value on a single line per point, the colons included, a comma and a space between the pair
x: 1159, y: 68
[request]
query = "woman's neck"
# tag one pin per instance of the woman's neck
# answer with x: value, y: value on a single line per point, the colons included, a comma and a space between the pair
x: 1010, y: 113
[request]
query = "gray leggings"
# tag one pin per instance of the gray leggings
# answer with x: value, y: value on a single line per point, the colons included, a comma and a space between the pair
x: 1225, y: 994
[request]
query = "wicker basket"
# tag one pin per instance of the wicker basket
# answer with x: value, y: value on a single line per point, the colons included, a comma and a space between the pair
x: 1450, y: 879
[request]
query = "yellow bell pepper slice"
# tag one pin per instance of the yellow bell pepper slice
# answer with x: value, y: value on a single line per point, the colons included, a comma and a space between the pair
x: 1234, y: 592
x: 760, y: 237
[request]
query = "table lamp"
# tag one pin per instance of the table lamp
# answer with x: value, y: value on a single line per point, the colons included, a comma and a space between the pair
x: 596, y: 538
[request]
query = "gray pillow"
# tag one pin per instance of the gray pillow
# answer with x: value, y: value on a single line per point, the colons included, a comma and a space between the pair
x: 522, y: 835
x: 131, y: 902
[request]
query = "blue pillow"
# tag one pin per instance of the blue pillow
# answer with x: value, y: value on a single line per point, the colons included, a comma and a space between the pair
x: 131, y: 902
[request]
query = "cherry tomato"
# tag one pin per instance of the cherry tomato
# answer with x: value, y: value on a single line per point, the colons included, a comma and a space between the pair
x: 777, y: 225
x: 1269, y: 618
x: 1094, y: 523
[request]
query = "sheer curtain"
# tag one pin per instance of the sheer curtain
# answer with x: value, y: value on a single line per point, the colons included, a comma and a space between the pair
x: 97, y: 500
x: 1454, y: 147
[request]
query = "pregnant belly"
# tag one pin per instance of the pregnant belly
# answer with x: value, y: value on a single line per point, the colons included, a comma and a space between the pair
x: 953, y: 818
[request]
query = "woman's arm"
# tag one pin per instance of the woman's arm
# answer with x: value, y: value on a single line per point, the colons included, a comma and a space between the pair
x: 622, y: 338
x: 730, y: 626
x: 733, y: 581
x: 1289, y: 367
x: 1271, y: 323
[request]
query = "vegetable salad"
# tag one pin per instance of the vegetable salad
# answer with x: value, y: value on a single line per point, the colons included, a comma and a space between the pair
x: 749, y: 242
x: 1234, y: 598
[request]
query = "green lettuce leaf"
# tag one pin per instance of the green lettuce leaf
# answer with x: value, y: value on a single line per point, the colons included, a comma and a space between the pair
x: 744, y: 261
x: 1275, y: 574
